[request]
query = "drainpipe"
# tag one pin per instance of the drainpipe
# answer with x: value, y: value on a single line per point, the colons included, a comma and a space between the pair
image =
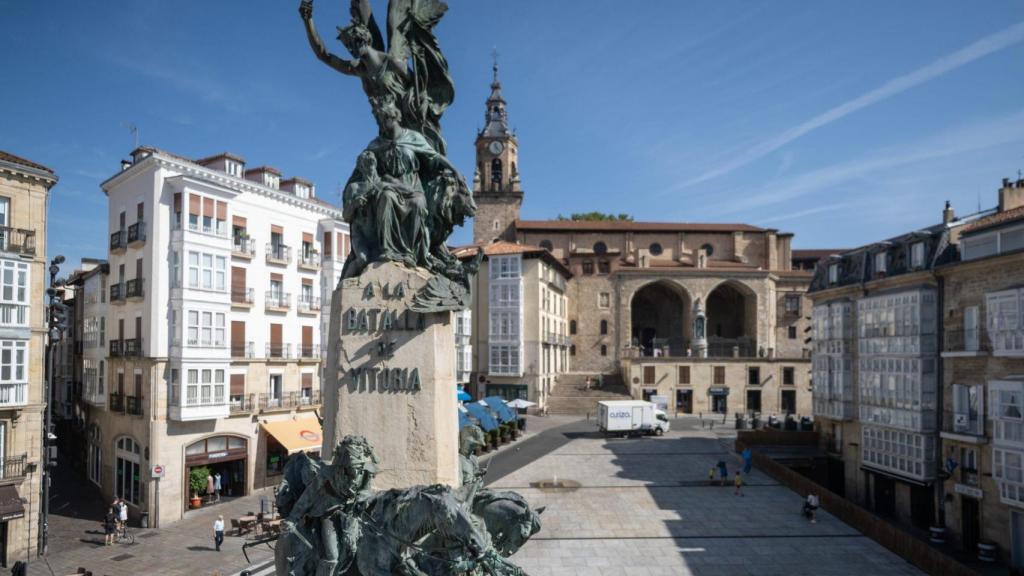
x: 940, y: 377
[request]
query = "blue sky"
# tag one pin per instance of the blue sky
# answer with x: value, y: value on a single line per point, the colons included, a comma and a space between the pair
x: 842, y: 122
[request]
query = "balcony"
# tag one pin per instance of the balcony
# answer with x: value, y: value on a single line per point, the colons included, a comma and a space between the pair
x: 118, y: 242
x: 133, y: 289
x: 243, y: 405
x: 242, y: 297
x: 133, y: 405
x: 220, y: 232
x: 14, y: 394
x: 275, y: 301
x: 732, y: 348
x: 198, y: 406
x: 18, y: 241
x: 131, y: 347
x: 243, y: 247
x: 245, y: 350
x: 309, y: 305
x: 289, y: 400
x: 309, y: 260
x: 960, y: 343
x: 137, y: 234
x: 279, y: 254
x: 117, y: 293
x: 556, y: 339
x: 116, y: 402
x: 13, y: 468
x: 309, y: 352
x: 279, y: 351
x: 13, y: 315
x: 116, y: 348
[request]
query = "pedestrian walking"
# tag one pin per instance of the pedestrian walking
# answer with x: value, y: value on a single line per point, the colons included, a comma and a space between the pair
x: 711, y: 476
x: 739, y: 484
x: 811, y: 507
x: 723, y: 473
x: 218, y: 532
x: 109, y: 527
x: 748, y: 461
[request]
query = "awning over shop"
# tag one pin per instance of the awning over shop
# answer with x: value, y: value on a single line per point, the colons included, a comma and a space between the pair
x: 10, y: 504
x: 296, y: 435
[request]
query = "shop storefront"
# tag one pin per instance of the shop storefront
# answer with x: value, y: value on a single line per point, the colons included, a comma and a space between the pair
x: 11, y: 508
x: 289, y: 437
x: 509, y: 392
x: 719, y: 399
x: 226, y: 456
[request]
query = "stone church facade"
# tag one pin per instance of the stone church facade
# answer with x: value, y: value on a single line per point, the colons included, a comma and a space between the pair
x: 703, y: 317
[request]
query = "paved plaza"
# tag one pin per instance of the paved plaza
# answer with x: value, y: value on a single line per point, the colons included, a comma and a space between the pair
x: 634, y: 507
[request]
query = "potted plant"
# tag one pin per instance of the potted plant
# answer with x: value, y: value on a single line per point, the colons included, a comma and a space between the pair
x: 197, y: 482
x: 492, y: 439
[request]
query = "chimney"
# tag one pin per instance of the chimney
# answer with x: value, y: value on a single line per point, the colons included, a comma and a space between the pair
x: 1010, y: 196
x: 125, y: 164
x: 947, y: 213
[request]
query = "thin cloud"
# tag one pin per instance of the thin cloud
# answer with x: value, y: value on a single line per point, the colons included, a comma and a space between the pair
x: 990, y: 133
x: 987, y: 45
x: 807, y: 212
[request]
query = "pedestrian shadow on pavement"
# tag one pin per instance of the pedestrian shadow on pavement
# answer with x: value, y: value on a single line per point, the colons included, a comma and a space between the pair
x: 200, y: 549
x: 94, y: 541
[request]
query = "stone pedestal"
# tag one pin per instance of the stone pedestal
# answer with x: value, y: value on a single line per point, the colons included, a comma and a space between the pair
x: 390, y: 377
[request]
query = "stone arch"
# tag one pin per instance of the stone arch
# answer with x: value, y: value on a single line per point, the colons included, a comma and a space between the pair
x: 660, y: 319
x: 731, y: 309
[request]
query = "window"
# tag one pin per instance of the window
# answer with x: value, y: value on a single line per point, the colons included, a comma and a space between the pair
x: 572, y: 350
x: 12, y: 371
x: 572, y: 327
x: 684, y: 374
x: 789, y: 401
x: 788, y: 375
x: 204, y: 387
x: 504, y: 359
x: 753, y: 400
x: 917, y: 255
x: 604, y: 327
x: 833, y: 273
x: 101, y: 378
x: 233, y: 168
x: 588, y: 267
x: 603, y: 300
x: 719, y: 375
x: 792, y: 332
x: 504, y: 326
x: 95, y: 456
x: 753, y: 376
x: 967, y: 407
x: 792, y: 303
x: 600, y: 248
x: 655, y: 249
x: 546, y: 244
x: 604, y: 267
x: 496, y: 171
x: 971, y: 329
x: 604, y: 350
x: 880, y: 263
x: 505, y: 267
x: 127, y: 472
x: 904, y: 453
x: 1004, y: 322
x: 505, y: 296
x: 206, y: 328
x: 708, y: 249
x: 649, y: 374
x: 207, y: 271
x: 13, y: 293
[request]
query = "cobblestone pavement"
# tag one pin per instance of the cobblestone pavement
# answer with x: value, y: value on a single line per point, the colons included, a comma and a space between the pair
x: 644, y: 507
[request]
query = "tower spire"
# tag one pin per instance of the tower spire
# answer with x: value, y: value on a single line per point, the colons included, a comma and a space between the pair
x: 496, y: 117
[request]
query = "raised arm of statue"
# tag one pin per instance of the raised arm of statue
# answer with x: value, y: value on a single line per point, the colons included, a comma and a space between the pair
x: 362, y: 13
x: 317, y: 44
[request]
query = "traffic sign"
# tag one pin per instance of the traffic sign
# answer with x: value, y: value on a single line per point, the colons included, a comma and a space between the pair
x: 158, y: 471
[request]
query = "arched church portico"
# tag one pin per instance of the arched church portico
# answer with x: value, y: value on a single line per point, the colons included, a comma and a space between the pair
x: 660, y: 319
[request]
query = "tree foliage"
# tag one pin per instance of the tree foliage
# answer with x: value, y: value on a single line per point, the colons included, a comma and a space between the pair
x: 596, y: 217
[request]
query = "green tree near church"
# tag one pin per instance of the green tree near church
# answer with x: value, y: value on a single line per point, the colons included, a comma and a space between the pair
x: 596, y: 217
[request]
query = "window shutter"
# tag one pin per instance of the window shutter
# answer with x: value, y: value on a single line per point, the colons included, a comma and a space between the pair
x: 342, y: 245
x: 684, y: 374
x: 307, y: 237
x: 194, y: 204
x: 237, y: 384
x: 239, y: 221
x: 222, y: 210
x: 307, y: 381
x: 238, y: 333
x: 238, y: 279
x: 307, y: 336
x: 275, y: 335
x: 208, y: 207
x: 275, y: 277
x: 177, y: 202
x: 275, y: 229
x: 971, y: 328
x: 648, y: 374
x: 326, y: 243
x: 307, y: 281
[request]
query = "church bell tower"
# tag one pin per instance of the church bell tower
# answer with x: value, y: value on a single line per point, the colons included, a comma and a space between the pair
x: 496, y: 188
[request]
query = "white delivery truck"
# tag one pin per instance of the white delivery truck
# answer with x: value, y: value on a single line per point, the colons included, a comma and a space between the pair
x: 626, y: 417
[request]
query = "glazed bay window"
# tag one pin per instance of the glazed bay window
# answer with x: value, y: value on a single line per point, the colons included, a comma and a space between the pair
x: 505, y: 295
x: 206, y: 329
x: 505, y: 326
x: 205, y: 387
x: 14, y: 301
x: 207, y: 271
x: 967, y: 410
x: 1005, y: 329
x: 917, y: 255
x: 505, y: 267
x: 1006, y: 409
x: 903, y: 453
x: 13, y: 374
x: 505, y: 359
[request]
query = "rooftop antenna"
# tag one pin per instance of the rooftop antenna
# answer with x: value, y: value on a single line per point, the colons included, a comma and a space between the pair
x: 133, y: 130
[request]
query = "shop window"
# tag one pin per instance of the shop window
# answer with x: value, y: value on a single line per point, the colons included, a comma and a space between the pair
x: 127, y: 477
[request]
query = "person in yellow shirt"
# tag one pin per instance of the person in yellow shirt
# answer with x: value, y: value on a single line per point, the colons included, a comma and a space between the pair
x: 739, y: 484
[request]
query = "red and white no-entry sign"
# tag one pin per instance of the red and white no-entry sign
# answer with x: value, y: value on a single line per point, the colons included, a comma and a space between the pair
x: 158, y: 471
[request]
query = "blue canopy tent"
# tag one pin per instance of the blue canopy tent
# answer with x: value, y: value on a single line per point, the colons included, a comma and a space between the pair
x: 462, y: 395
x: 464, y: 420
x: 505, y: 414
x: 487, y: 422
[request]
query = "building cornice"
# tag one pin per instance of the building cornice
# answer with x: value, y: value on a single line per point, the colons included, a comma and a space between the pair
x: 216, y: 178
x: 22, y: 171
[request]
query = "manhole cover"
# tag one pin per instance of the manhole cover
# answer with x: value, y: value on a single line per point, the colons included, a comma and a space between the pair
x: 556, y: 485
x: 122, y: 557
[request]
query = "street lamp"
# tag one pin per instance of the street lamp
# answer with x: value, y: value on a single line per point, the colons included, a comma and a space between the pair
x: 57, y: 324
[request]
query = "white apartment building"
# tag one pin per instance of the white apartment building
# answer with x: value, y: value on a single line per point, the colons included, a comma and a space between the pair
x: 463, y: 346
x: 521, y: 337
x: 215, y: 314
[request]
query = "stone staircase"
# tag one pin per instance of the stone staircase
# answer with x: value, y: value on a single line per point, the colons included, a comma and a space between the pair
x: 571, y: 396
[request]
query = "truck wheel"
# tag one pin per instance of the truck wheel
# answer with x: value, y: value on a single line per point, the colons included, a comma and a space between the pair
x: 658, y: 431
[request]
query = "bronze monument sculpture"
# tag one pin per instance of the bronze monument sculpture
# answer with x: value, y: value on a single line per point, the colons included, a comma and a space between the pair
x: 402, y: 201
